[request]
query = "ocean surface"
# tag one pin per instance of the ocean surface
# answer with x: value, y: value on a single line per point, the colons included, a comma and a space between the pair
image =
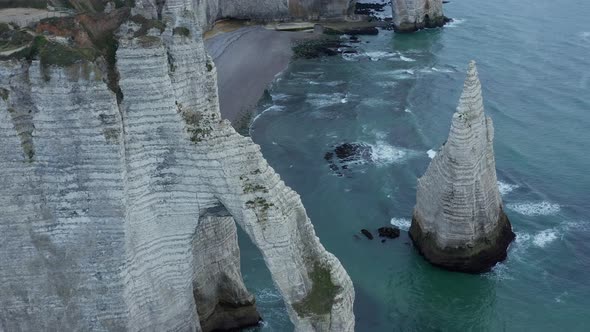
x: 397, y: 97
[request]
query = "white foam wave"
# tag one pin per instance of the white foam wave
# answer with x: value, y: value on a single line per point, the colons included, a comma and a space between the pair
x: 350, y: 57
x: 407, y: 110
x: 441, y: 70
x: 321, y: 100
x: 585, y: 35
x: 402, y: 223
x: 388, y: 84
x: 506, y: 188
x: 403, y: 58
x: 374, y: 102
x: 378, y: 55
x: 431, y: 153
x: 455, y: 23
x: 268, y: 295
x: 535, y: 208
x: 399, y: 74
x: 273, y: 108
x: 545, y: 237
x: 499, y: 272
x: 279, y: 96
x: 332, y: 83
x: 384, y: 154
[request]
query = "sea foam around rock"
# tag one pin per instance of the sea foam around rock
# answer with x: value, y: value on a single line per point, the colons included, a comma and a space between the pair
x: 534, y: 208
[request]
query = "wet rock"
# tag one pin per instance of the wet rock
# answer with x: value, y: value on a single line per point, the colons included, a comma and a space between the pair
x: 367, y: 234
x: 347, y: 154
x: 389, y: 232
x: 351, y: 151
x: 367, y: 31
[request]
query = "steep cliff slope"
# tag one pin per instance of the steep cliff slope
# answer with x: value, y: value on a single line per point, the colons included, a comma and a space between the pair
x: 120, y: 185
x: 412, y: 15
x: 208, y: 11
x: 458, y: 220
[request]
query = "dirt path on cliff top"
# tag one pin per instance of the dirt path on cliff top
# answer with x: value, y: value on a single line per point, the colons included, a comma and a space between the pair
x: 247, y: 61
x: 25, y: 16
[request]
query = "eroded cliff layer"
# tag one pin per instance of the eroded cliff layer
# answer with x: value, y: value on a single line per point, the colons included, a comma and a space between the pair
x: 458, y: 221
x: 209, y: 11
x: 121, y: 185
x: 413, y: 15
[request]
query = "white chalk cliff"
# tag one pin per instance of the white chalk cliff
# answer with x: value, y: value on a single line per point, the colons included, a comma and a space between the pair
x: 208, y: 11
x: 458, y: 220
x: 412, y: 15
x: 119, y: 215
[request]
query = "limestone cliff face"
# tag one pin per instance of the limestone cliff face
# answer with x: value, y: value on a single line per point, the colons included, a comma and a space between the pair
x: 412, y: 15
x: 458, y: 220
x: 119, y: 216
x: 209, y: 11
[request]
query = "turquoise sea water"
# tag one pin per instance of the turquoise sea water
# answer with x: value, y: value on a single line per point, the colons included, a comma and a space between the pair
x: 398, y: 96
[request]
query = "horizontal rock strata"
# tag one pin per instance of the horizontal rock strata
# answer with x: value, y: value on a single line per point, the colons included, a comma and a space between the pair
x: 117, y: 210
x: 209, y: 11
x: 458, y: 222
x: 413, y: 15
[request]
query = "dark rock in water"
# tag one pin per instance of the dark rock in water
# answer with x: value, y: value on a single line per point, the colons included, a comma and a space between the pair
x: 347, y: 154
x: 383, y: 241
x: 351, y: 151
x: 367, y: 234
x: 315, y: 48
x: 370, y: 31
x: 354, y: 38
x: 389, y: 232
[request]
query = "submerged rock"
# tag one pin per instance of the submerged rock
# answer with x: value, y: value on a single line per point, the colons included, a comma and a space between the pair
x: 367, y: 234
x: 458, y: 222
x: 413, y: 15
x: 389, y: 232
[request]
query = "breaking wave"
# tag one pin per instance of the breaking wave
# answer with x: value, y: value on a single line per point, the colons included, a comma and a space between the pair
x: 384, y: 154
x: 506, y: 188
x: 431, y: 153
x: 535, y: 208
x: 455, y: 23
x: 402, y: 223
x: 321, y: 100
x: 273, y: 108
x: 403, y: 58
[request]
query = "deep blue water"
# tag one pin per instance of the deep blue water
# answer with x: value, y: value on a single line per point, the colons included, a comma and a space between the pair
x: 398, y: 97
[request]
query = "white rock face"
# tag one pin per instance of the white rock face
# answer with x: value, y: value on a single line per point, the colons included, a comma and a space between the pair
x: 209, y: 11
x: 458, y: 219
x: 107, y: 210
x: 412, y: 15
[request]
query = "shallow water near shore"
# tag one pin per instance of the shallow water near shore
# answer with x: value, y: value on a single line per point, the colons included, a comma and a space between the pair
x: 397, y: 96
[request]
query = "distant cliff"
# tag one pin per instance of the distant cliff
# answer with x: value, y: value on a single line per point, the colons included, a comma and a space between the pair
x: 263, y: 10
x: 412, y: 15
x: 121, y: 188
x: 458, y: 221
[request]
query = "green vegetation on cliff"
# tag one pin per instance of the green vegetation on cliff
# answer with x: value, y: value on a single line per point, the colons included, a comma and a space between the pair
x: 320, y: 299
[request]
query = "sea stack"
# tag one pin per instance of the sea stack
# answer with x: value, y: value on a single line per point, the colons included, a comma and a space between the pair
x: 458, y: 222
x: 413, y: 15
